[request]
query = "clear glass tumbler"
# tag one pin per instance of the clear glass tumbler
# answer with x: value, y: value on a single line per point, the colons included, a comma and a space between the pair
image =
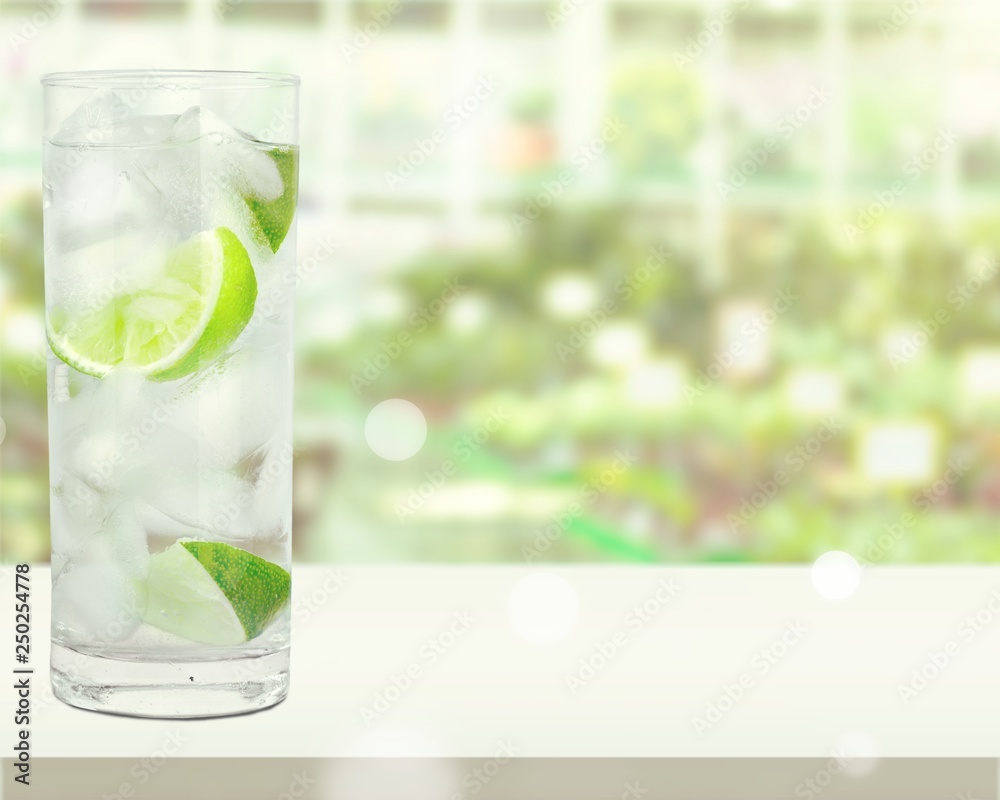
x: 169, y: 207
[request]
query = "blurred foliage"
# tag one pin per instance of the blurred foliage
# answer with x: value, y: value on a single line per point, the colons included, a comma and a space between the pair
x: 700, y: 460
x: 23, y: 487
x: 661, y: 107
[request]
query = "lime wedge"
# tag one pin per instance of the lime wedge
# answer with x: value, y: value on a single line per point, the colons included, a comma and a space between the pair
x: 185, y: 314
x: 214, y: 593
x: 271, y: 218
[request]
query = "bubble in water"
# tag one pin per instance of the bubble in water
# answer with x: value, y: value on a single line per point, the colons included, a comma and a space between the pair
x: 395, y: 429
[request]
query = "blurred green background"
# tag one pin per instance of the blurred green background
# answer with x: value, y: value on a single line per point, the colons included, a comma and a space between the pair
x: 669, y: 281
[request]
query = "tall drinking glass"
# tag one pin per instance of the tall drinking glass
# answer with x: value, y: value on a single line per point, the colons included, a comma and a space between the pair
x: 169, y: 205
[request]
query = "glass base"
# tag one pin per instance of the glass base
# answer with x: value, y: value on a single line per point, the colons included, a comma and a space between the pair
x: 169, y: 689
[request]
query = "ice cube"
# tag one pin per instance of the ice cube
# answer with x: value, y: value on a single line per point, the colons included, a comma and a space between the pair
x: 59, y: 383
x: 78, y: 511
x: 168, y: 447
x: 195, y: 190
x: 78, y: 508
x: 89, y: 277
x: 122, y: 541
x: 272, y: 499
x: 105, y: 118
x: 67, y: 413
x: 203, y: 173
x: 208, y: 504
x: 158, y: 524
x: 102, y: 194
x: 121, y: 397
x: 93, y: 120
x: 95, y: 536
x: 95, y: 179
x: 275, y: 287
x: 115, y: 412
x: 96, y: 602
x: 197, y: 121
x: 139, y: 205
x: 238, y: 406
x: 143, y: 129
x: 98, y: 592
x: 82, y: 189
x: 96, y: 458
x: 235, y: 157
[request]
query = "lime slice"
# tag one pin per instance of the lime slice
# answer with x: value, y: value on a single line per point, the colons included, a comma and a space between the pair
x: 185, y: 314
x: 271, y: 218
x: 214, y: 593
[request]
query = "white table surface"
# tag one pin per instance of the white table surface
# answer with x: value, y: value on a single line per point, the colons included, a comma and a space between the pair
x: 838, y: 682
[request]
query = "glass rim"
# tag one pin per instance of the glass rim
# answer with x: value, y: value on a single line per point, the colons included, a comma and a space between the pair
x: 169, y: 79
